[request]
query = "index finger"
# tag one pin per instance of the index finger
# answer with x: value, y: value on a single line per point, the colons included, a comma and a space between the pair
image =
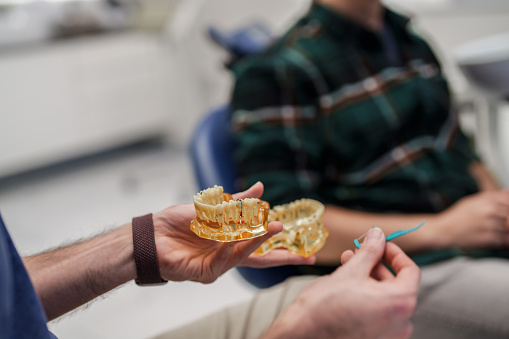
x: 407, y: 272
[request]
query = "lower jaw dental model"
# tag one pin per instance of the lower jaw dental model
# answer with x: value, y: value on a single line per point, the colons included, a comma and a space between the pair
x: 220, y: 218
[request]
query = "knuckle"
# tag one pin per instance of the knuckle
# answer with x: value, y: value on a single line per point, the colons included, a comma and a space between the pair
x: 411, y: 305
x: 405, y: 307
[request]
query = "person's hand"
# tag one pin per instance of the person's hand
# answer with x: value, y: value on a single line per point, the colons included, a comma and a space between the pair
x: 182, y: 255
x: 361, y: 299
x: 477, y: 221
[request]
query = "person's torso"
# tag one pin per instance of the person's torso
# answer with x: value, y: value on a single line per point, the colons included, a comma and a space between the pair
x: 382, y: 134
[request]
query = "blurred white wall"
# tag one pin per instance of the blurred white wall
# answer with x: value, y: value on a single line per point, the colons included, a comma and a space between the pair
x: 203, y: 81
x: 74, y: 97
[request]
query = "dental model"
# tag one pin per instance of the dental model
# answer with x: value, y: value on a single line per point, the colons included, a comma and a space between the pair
x: 220, y: 218
x: 303, y: 232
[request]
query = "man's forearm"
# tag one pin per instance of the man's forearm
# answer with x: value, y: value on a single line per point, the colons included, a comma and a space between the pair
x: 291, y: 323
x: 345, y: 225
x: 484, y: 178
x: 71, y: 276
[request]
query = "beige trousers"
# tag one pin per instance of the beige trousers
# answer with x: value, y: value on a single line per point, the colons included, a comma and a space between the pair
x: 460, y: 298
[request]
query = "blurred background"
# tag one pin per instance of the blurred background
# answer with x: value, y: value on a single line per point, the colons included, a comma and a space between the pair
x: 99, y: 98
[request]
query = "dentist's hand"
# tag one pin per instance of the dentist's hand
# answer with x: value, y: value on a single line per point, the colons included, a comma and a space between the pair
x: 182, y: 255
x: 361, y: 299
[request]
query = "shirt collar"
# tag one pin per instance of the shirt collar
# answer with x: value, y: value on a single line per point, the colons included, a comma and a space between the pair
x: 339, y: 24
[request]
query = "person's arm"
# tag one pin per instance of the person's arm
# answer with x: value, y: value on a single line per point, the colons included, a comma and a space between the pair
x: 345, y: 225
x: 484, y: 178
x: 361, y: 299
x: 68, y: 277
x: 477, y: 221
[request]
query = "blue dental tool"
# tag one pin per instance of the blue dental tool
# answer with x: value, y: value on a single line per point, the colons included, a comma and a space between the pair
x: 390, y: 236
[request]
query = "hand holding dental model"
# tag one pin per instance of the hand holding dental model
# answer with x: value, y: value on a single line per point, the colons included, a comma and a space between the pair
x: 184, y: 256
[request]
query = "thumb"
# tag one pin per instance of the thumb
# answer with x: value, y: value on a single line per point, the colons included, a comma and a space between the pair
x: 370, y: 254
x: 254, y: 191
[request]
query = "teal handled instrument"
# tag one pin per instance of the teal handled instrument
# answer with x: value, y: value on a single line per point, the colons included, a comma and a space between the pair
x: 390, y: 236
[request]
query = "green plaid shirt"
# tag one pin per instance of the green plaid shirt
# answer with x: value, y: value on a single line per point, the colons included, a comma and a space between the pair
x: 325, y: 114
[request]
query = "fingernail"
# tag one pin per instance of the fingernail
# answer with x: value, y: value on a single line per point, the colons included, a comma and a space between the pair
x: 374, y: 234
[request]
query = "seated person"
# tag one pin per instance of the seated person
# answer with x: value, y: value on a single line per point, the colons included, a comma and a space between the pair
x: 351, y: 108
x: 63, y: 279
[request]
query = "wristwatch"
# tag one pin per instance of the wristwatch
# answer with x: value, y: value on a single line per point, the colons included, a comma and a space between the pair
x: 145, y: 254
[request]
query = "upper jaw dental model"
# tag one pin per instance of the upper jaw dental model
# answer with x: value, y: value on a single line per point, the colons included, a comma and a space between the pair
x: 303, y: 231
x: 220, y: 218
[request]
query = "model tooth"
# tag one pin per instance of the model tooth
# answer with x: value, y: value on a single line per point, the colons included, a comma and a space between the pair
x: 216, y: 191
x: 256, y: 212
x: 247, y: 211
x: 281, y: 215
x: 211, y: 213
x: 201, y: 213
x: 245, y: 207
x: 219, y: 214
x: 234, y: 211
x: 226, y: 209
x: 272, y: 215
x: 251, y: 208
x: 240, y: 205
x: 225, y: 215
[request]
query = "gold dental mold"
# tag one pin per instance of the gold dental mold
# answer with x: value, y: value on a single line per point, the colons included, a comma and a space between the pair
x: 219, y: 217
x: 303, y: 231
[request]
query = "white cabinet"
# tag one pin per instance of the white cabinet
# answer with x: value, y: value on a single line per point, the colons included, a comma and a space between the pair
x: 71, y: 98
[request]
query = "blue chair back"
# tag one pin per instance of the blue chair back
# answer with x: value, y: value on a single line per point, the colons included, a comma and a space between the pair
x: 211, y: 150
x: 247, y: 40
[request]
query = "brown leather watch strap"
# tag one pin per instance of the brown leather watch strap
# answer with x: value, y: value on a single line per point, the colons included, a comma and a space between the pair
x: 145, y: 255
